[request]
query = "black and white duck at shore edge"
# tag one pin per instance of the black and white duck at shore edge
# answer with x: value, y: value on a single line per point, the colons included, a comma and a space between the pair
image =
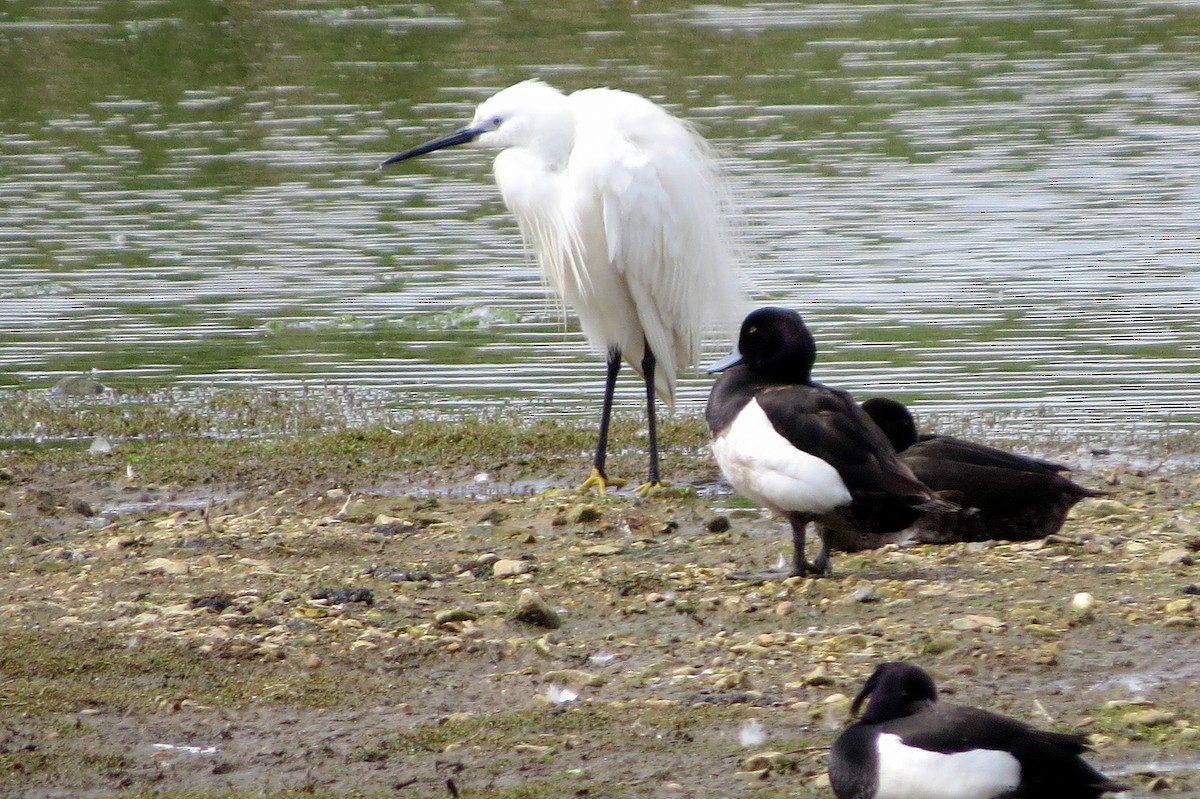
x: 805, y: 450
x: 1002, y: 495
x: 908, y: 746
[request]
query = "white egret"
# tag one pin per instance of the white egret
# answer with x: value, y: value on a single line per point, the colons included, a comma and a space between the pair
x: 622, y: 206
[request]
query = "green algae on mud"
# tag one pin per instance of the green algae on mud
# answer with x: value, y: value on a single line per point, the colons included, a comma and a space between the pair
x: 270, y: 439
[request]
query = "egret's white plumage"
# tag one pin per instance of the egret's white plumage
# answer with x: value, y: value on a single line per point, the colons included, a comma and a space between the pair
x: 621, y: 204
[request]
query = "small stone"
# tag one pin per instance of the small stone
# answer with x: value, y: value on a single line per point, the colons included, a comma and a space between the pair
x: 604, y: 550
x: 1083, y: 602
x: 533, y: 749
x: 583, y: 512
x: 532, y: 609
x: 454, y: 615
x: 763, y: 760
x: 312, y: 661
x: 1043, y: 631
x: 975, y: 622
x: 818, y: 677
x: 785, y: 608
x: 341, y: 596
x: 171, y: 568
x: 1103, y: 508
x: 573, y: 678
x: 1176, y: 557
x: 79, y: 386
x: 1151, y: 717
x: 121, y: 542
x: 1083, y: 607
x: 865, y: 593
x: 1178, y: 607
x: 718, y: 524
x: 506, y: 567
x: 733, y: 681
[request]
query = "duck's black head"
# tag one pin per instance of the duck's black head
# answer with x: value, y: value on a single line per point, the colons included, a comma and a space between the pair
x: 894, y: 420
x: 895, y: 690
x: 776, y: 343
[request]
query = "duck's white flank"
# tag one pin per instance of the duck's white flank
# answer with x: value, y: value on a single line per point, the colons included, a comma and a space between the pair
x: 765, y: 467
x: 906, y: 772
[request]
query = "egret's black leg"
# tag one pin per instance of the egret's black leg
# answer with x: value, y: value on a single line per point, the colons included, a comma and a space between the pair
x: 598, y: 479
x: 648, y: 363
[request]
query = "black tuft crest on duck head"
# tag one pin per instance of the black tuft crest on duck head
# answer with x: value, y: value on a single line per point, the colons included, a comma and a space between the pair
x: 775, y: 341
x: 893, y: 691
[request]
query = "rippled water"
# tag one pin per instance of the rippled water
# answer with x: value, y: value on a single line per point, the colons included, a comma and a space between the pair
x: 978, y: 206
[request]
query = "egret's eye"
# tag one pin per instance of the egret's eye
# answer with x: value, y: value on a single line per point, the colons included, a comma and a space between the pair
x: 493, y: 122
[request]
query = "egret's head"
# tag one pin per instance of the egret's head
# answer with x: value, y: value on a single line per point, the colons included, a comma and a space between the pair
x: 529, y: 114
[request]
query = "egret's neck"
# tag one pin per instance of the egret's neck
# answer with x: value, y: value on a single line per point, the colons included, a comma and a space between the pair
x: 547, y: 213
x: 530, y: 186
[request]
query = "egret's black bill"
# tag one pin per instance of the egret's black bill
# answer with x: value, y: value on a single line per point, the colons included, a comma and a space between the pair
x: 451, y: 140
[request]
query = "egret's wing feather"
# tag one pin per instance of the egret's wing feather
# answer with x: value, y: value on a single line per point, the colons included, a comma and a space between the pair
x: 663, y: 223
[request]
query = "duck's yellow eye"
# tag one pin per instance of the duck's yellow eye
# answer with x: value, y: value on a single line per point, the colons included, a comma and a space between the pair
x: 750, y: 331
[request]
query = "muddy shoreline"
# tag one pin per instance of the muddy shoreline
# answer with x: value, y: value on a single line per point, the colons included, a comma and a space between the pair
x: 356, y: 633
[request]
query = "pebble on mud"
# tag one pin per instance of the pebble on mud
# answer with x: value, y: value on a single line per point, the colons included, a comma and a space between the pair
x: 718, y: 524
x: 573, y: 678
x: 764, y: 760
x: 972, y: 622
x: 341, y: 596
x: 578, y: 514
x: 171, y: 568
x: 865, y: 594
x: 1176, y: 557
x: 1149, y: 718
x: 507, y: 567
x: 454, y: 615
x: 1083, y: 606
x: 532, y: 609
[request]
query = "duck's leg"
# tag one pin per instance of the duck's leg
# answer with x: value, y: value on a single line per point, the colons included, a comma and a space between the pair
x: 800, y: 566
x: 648, y: 364
x: 598, y: 479
x: 823, y: 562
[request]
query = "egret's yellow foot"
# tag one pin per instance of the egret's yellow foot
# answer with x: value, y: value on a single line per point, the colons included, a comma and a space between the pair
x: 645, y: 488
x: 598, y: 481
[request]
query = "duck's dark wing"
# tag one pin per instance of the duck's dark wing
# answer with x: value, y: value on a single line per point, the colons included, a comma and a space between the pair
x: 990, y: 487
x: 827, y: 423
x: 1051, y: 766
x: 960, y: 450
